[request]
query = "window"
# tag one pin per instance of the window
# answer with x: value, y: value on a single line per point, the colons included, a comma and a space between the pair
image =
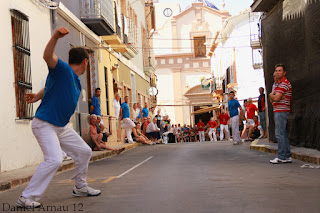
x: 199, y: 46
x: 22, y: 64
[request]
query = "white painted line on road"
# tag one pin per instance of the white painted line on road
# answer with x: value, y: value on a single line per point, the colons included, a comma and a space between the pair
x: 129, y: 170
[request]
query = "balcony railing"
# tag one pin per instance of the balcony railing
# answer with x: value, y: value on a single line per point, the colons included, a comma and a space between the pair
x: 149, y: 60
x: 93, y: 12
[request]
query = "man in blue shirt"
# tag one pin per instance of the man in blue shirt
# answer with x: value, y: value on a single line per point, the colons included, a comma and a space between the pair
x: 50, y: 125
x: 95, y: 103
x: 145, y: 111
x: 127, y: 123
x: 233, y: 106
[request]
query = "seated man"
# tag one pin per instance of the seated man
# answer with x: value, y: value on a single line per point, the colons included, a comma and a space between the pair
x: 192, y: 135
x: 153, y: 130
x: 97, y: 138
x: 100, y: 128
x: 179, y: 136
x: 186, y: 134
x: 147, y: 121
x: 255, y: 130
x: 138, y: 136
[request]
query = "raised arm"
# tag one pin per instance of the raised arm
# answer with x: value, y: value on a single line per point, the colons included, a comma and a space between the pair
x: 33, y: 97
x: 49, y: 53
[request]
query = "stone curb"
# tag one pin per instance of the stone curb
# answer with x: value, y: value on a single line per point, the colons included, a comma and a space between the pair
x: 66, y: 165
x: 295, y: 155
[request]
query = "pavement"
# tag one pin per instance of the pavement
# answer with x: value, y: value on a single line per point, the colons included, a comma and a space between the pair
x: 299, y: 153
x: 18, y: 177
x: 185, y: 178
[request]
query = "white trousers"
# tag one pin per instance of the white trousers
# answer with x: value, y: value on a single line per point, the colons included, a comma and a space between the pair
x: 128, y: 124
x: 212, y: 134
x: 201, y: 136
x: 235, y: 128
x: 224, y: 127
x: 52, y: 140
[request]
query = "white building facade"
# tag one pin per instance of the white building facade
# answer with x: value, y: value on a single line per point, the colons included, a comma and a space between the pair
x: 27, y: 30
x: 235, y: 62
x: 181, y: 43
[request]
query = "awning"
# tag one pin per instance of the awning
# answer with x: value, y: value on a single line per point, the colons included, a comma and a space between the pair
x: 205, y: 110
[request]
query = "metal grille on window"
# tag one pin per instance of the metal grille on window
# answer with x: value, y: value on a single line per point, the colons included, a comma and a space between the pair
x: 22, y: 64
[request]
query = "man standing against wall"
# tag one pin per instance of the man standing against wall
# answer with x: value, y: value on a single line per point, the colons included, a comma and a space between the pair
x: 152, y: 113
x: 262, y: 114
x: 136, y: 112
x: 145, y: 111
x: 116, y: 105
x: 95, y: 103
x: 50, y: 124
x: 233, y: 106
x: 281, y: 101
x: 128, y: 124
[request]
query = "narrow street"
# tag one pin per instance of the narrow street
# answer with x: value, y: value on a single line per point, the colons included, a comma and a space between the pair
x: 188, y: 177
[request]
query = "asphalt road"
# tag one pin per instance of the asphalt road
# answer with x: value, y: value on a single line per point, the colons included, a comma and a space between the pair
x: 189, y: 177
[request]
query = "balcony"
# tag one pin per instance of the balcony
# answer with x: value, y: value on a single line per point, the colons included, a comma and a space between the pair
x: 130, y: 52
x: 257, y: 60
x: 112, y: 40
x: 255, y: 41
x: 98, y: 16
x: 115, y: 39
x: 149, y: 61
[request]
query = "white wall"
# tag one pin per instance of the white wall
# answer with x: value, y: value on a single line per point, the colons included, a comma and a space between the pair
x: 139, y: 8
x: 18, y: 146
x: 249, y: 79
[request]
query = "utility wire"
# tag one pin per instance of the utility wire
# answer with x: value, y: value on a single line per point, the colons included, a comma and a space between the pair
x: 152, y: 38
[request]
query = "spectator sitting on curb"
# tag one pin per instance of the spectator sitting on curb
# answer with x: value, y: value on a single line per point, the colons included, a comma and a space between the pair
x: 139, y: 137
x: 100, y: 128
x: 193, y: 137
x: 179, y: 137
x: 256, y: 130
x: 147, y: 121
x: 97, y: 138
x: 153, y: 130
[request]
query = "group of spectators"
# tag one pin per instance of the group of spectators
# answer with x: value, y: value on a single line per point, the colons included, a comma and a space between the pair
x: 280, y: 97
x: 212, y: 131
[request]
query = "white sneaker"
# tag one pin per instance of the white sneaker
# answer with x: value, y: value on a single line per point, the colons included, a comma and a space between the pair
x: 25, y: 202
x: 85, y: 191
x: 277, y: 161
x: 288, y: 160
x: 237, y: 142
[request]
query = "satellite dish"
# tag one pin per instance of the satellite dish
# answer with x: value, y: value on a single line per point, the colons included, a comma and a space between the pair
x: 153, y: 91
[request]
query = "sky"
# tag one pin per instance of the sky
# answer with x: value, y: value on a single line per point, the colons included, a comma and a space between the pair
x: 233, y: 6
